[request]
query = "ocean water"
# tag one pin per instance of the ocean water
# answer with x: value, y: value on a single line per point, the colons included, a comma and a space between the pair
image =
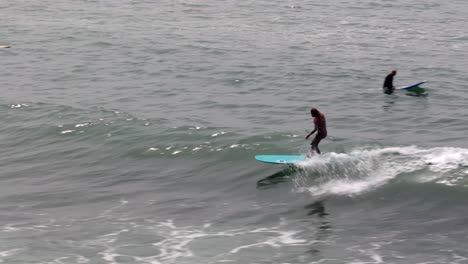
x: 129, y: 130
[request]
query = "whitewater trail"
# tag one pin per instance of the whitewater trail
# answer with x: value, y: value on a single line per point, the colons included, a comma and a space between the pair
x: 366, y: 169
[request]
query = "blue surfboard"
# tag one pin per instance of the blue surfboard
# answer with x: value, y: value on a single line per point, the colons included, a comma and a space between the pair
x: 280, y: 159
x: 411, y: 86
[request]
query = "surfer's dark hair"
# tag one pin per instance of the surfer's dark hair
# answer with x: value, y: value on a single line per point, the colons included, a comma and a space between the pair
x: 314, y: 112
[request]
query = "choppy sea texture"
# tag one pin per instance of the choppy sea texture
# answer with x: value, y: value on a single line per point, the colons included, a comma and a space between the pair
x: 129, y: 131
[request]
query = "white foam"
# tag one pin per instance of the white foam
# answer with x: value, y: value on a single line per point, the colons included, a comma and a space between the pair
x: 446, y: 159
x: 10, y: 252
x: 9, y: 228
x: 362, y: 169
x: 115, y: 233
x: 16, y: 106
x: 447, y: 182
x: 81, y: 259
x: 217, y: 134
x: 78, y: 259
x: 372, y: 250
x: 82, y: 125
x: 177, y: 243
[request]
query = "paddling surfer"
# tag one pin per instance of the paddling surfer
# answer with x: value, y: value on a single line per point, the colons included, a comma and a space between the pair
x: 320, y: 126
x: 388, y: 83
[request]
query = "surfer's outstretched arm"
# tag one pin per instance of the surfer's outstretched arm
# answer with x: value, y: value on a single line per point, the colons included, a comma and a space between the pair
x: 310, y: 134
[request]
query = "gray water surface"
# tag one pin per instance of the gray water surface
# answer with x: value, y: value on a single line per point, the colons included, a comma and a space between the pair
x: 129, y: 130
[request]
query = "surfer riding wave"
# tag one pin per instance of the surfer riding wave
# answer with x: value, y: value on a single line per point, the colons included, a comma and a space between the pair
x: 320, y: 125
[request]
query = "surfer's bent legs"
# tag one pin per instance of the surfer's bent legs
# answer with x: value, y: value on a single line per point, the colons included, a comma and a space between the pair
x: 316, y: 141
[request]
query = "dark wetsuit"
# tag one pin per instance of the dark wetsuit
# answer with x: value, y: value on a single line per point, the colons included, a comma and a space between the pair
x: 321, y: 126
x: 388, y: 83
